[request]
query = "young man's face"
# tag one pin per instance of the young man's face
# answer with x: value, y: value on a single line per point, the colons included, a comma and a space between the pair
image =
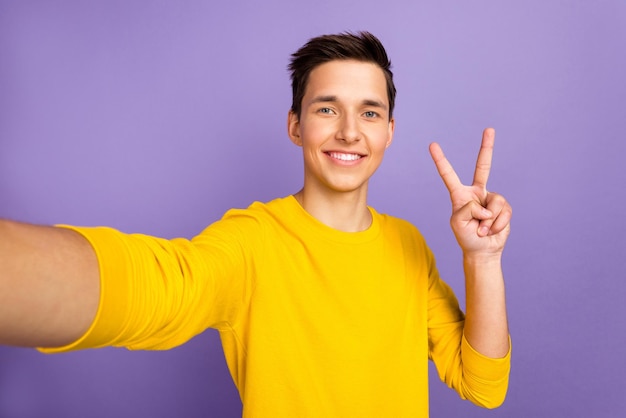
x: 344, y: 126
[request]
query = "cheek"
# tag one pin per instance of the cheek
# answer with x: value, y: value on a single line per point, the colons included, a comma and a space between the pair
x: 316, y: 133
x: 382, y: 142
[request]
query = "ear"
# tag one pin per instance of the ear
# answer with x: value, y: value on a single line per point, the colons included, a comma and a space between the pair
x: 293, y: 128
x: 392, y: 127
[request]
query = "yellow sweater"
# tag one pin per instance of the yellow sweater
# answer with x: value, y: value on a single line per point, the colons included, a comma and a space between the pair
x: 314, y: 322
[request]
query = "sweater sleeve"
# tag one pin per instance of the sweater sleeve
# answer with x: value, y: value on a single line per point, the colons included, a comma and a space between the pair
x: 480, y: 379
x: 157, y: 294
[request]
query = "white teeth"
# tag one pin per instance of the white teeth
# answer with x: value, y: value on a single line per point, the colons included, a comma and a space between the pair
x: 344, y: 157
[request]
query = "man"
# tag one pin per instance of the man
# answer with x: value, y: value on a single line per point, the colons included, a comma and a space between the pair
x: 324, y: 306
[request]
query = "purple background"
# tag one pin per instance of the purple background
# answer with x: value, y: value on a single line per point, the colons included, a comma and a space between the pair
x: 156, y: 117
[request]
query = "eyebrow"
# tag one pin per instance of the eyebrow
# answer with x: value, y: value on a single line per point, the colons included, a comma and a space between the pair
x: 366, y: 102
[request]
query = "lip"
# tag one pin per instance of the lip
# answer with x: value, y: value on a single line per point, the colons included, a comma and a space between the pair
x: 345, y: 158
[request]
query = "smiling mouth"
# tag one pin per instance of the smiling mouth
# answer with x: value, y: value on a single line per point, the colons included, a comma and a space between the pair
x: 344, y: 156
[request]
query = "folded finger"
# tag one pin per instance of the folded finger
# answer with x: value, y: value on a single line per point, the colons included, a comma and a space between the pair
x: 502, y: 221
x: 502, y: 212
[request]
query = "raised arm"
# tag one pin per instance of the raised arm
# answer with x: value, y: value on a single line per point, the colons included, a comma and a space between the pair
x: 481, y: 223
x: 49, y: 285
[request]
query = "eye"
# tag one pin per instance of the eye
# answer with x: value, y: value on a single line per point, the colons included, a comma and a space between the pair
x: 326, y: 111
x: 371, y: 114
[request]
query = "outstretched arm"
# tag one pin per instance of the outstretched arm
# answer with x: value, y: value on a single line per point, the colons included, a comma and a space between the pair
x: 49, y: 285
x: 481, y: 223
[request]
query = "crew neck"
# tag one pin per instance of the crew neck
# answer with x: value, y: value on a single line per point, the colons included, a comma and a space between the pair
x: 305, y: 220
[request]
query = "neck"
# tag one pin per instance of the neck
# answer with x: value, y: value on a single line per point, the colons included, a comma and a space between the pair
x: 346, y: 212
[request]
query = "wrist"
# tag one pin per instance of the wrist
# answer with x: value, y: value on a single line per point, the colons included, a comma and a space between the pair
x: 482, y: 258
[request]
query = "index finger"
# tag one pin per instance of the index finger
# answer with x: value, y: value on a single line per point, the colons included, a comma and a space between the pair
x: 483, y: 162
x: 447, y: 173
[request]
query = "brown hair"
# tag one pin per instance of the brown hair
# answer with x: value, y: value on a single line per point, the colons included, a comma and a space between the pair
x: 360, y: 46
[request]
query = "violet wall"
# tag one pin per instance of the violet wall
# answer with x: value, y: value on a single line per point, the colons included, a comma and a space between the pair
x: 156, y: 117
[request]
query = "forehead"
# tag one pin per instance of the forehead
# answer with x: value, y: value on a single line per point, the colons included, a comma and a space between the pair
x: 347, y: 79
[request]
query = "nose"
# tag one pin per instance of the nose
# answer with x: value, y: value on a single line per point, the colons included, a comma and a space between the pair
x: 348, y: 129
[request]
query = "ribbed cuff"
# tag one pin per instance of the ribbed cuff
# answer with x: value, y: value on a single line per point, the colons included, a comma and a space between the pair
x: 109, y: 321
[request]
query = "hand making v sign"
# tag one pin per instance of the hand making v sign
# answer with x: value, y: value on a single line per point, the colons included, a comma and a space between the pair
x: 480, y: 219
x: 481, y: 223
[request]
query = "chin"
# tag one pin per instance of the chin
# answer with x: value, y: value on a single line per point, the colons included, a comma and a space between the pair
x: 348, y: 188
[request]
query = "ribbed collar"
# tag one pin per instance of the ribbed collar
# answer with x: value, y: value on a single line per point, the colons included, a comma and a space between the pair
x: 303, y: 219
